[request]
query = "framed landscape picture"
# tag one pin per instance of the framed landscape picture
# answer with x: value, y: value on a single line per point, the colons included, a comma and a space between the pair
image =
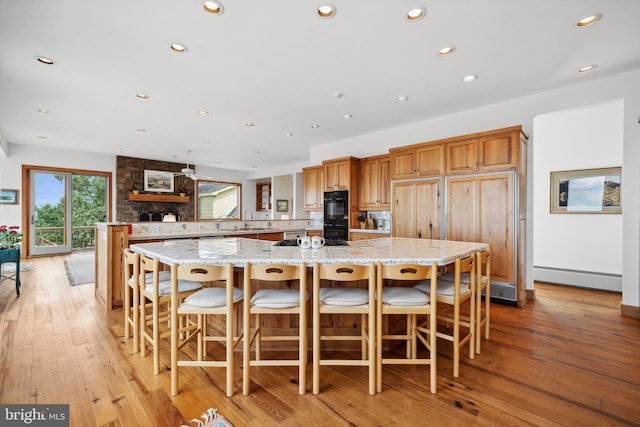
x: 158, y: 181
x: 587, y: 191
x: 282, y: 206
x: 8, y: 197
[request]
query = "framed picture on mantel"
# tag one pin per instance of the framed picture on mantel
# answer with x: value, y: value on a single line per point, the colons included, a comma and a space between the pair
x: 158, y: 181
x: 587, y: 191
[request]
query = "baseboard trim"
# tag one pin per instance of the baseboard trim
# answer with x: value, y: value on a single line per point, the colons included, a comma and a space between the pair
x: 630, y: 311
x: 582, y: 279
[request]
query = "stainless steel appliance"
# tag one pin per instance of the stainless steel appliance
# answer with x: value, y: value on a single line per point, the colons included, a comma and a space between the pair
x: 336, y: 215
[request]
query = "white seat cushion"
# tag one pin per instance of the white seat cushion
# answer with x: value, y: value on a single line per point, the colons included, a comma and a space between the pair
x: 444, y: 287
x: 343, y: 296
x: 164, y: 287
x: 163, y: 276
x: 464, y: 278
x: 405, y: 297
x: 277, y: 298
x: 212, y: 297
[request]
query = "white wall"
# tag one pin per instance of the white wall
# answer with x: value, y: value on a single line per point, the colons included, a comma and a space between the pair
x: 581, y: 138
x: 522, y: 111
x: 282, y: 190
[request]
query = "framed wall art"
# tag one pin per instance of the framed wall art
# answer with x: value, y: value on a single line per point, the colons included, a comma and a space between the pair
x: 282, y: 205
x: 586, y: 191
x: 158, y: 181
x: 8, y: 197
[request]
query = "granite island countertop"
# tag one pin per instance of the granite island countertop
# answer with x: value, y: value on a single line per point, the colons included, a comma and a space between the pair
x: 390, y: 250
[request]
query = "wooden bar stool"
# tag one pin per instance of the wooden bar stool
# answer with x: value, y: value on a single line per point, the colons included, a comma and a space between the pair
x: 214, y: 300
x: 158, y: 295
x: 410, y: 302
x: 345, y: 300
x: 132, y: 297
x: 452, y: 295
x: 288, y: 299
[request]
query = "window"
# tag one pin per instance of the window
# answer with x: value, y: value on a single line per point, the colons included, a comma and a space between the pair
x: 218, y: 200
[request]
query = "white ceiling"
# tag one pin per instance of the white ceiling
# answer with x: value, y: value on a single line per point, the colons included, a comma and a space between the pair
x: 278, y: 65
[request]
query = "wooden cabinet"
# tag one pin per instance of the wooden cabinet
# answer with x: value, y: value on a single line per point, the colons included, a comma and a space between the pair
x: 416, y: 209
x: 263, y: 196
x: 312, y: 233
x: 483, y: 153
x: 366, y: 236
x: 375, y: 183
x: 111, y: 240
x: 481, y: 208
x: 313, y: 188
x: 423, y: 160
x: 340, y: 174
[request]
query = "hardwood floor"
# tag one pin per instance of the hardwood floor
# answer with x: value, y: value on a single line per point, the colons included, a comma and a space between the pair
x: 567, y: 358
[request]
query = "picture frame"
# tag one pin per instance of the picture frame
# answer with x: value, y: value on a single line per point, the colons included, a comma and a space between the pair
x: 8, y: 196
x: 586, y: 191
x: 158, y: 181
x: 282, y: 206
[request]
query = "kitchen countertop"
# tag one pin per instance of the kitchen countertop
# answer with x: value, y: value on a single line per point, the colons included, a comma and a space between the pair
x: 369, y: 230
x: 391, y: 250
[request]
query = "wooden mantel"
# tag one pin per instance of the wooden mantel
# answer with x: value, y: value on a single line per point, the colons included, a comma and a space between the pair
x: 158, y: 198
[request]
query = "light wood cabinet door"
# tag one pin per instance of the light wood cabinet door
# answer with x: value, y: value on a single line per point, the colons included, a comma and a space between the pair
x: 416, y: 209
x: 430, y: 160
x: 481, y: 209
x: 313, y: 186
x: 498, y: 152
x: 375, y: 183
x: 337, y: 175
x: 403, y: 164
x: 462, y: 156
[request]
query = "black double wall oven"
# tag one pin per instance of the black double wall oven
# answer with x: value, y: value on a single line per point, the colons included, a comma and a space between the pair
x: 336, y: 215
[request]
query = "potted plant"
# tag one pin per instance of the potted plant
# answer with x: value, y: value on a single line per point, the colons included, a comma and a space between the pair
x: 135, y: 189
x: 10, y: 237
x: 183, y: 190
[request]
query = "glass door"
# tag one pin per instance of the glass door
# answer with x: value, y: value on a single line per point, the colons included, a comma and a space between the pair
x: 50, y: 212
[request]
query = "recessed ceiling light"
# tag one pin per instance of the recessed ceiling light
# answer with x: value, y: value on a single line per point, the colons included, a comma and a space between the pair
x: 327, y: 10
x: 402, y: 98
x: 141, y: 130
x: 179, y: 48
x: 257, y: 152
x: 315, y: 126
x: 213, y: 7
x: 416, y: 14
x: 42, y: 137
x: 44, y: 60
x: 338, y: 95
x: 469, y: 78
x: 588, y: 20
x: 42, y: 110
x: 288, y: 134
x: 207, y: 142
x: 203, y: 113
x: 248, y: 125
x: 347, y: 116
x: 142, y: 96
x: 447, y: 50
x: 587, y: 68
x: 118, y: 149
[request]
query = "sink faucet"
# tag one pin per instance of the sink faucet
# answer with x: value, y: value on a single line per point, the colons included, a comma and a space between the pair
x: 244, y: 217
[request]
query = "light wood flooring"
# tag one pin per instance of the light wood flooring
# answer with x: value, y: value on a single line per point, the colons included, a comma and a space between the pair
x: 566, y: 359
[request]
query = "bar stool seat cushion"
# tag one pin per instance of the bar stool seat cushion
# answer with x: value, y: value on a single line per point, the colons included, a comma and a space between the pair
x: 164, y: 287
x: 405, y: 297
x: 445, y: 288
x: 277, y: 298
x: 344, y: 296
x: 212, y: 297
x: 163, y: 276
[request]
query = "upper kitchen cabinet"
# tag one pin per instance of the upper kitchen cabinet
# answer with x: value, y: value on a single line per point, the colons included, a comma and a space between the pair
x: 340, y: 174
x: 416, y: 161
x: 313, y: 187
x: 484, y: 152
x: 375, y: 183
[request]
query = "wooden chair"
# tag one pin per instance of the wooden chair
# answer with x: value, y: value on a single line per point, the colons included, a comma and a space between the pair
x: 221, y: 301
x: 132, y: 297
x: 452, y: 295
x: 157, y: 296
x: 271, y: 301
x: 345, y: 300
x: 483, y: 283
x: 410, y: 302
